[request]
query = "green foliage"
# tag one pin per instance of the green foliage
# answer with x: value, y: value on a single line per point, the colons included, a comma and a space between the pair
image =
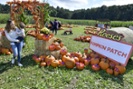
x: 23, y: 18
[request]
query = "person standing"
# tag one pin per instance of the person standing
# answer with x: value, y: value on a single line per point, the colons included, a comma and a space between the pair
x: 16, y: 44
x: 56, y: 26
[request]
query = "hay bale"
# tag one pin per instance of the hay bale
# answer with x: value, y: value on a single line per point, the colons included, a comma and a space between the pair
x: 128, y: 34
x: 4, y: 42
x: 42, y: 48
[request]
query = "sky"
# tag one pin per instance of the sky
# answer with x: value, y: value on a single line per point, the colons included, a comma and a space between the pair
x: 81, y: 4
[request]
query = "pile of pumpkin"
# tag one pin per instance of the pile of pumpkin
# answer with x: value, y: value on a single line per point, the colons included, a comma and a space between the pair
x: 45, y: 34
x: 91, y: 30
x: 5, y: 51
x: 80, y: 61
x: 83, y: 38
x: 56, y: 45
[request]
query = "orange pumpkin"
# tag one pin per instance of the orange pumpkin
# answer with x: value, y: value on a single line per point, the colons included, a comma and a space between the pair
x: 45, y: 37
x: 116, y: 71
x: 61, y: 63
x: 109, y: 71
x: 81, y: 59
x: 57, y: 47
x: 76, y: 59
x: 78, y: 54
x: 95, y: 60
x: 112, y: 64
x: 52, y: 47
x: 63, y: 51
x: 65, y: 57
x: 104, y: 65
x: 80, y: 66
x: 42, y: 57
x: 61, y: 44
x: 43, y: 64
x: 39, y: 36
x: 86, y: 62
x: 55, y: 63
x: 37, y: 60
x: 95, y: 67
x: 121, y: 68
x: 70, y: 63
x: 49, y: 59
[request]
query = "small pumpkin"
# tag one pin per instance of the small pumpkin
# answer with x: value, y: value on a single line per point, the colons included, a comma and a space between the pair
x: 61, y: 63
x: 76, y: 59
x: 43, y: 64
x: 65, y: 57
x: 121, y: 68
x: 104, y: 64
x: 49, y: 59
x: 109, y: 71
x: 86, y: 62
x: 116, y: 71
x: 63, y: 51
x: 55, y: 63
x: 52, y: 47
x: 80, y: 66
x: 95, y: 67
x: 95, y: 60
x: 39, y: 36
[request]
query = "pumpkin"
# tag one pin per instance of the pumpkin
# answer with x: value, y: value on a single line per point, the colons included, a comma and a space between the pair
x: 86, y: 62
x: 8, y: 53
x: 81, y: 59
x: 45, y: 37
x: 43, y: 64
x: 37, y: 60
x: 42, y: 57
x: 116, y: 71
x: 70, y: 63
x: 57, y: 47
x: 61, y: 63
x: 52, y: 47
x: 65, y: 57
x: 109, y: 71
x: 121, y: 68
x: 63, y: 51
x: 55, y: 63
x: 78, y: 54
x: 86, y: 51
x: 61, y: 44
x: 95, y: 67
x: 76, y: 59
x: 80, y: 66
x: 95, y: 60
x: 49, y: 59
x: 92, y: 54
x: 112, y: 64
x: 39, y: 36
x: 104, y: 64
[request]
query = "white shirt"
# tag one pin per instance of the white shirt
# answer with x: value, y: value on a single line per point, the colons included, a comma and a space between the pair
x: 11, y: 36
x: 20, y: 32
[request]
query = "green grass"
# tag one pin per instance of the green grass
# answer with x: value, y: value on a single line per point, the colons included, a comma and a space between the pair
x: 33, y: 77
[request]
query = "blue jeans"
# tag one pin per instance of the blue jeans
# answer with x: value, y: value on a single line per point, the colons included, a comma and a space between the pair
x: 17, y: 48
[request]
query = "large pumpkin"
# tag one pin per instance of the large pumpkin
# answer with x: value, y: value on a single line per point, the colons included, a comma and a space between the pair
x: 70, y: 63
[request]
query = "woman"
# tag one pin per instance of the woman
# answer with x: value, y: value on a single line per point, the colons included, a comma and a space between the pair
x: 16, y: 45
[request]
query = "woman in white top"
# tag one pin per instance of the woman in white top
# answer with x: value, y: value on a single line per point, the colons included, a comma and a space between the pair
x: 16, y: 44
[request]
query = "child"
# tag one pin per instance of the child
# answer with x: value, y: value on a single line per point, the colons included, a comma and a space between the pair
x: 21, y: 32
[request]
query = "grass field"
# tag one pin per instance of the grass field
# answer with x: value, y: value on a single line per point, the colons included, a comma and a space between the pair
x: 33, y: 77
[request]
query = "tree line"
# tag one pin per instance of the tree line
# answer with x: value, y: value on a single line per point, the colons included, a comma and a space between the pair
x: 123, y: 13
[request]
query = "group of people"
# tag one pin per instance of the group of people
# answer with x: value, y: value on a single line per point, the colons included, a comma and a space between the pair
x: 16, y: 37
x: 54, y: 26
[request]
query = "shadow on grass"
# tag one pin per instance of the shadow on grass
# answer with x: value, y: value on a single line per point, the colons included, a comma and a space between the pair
x: 26, y: 61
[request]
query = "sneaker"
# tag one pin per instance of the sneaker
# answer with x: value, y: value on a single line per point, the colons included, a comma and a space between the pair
x: 19, y: 64
x: 13, y: 61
